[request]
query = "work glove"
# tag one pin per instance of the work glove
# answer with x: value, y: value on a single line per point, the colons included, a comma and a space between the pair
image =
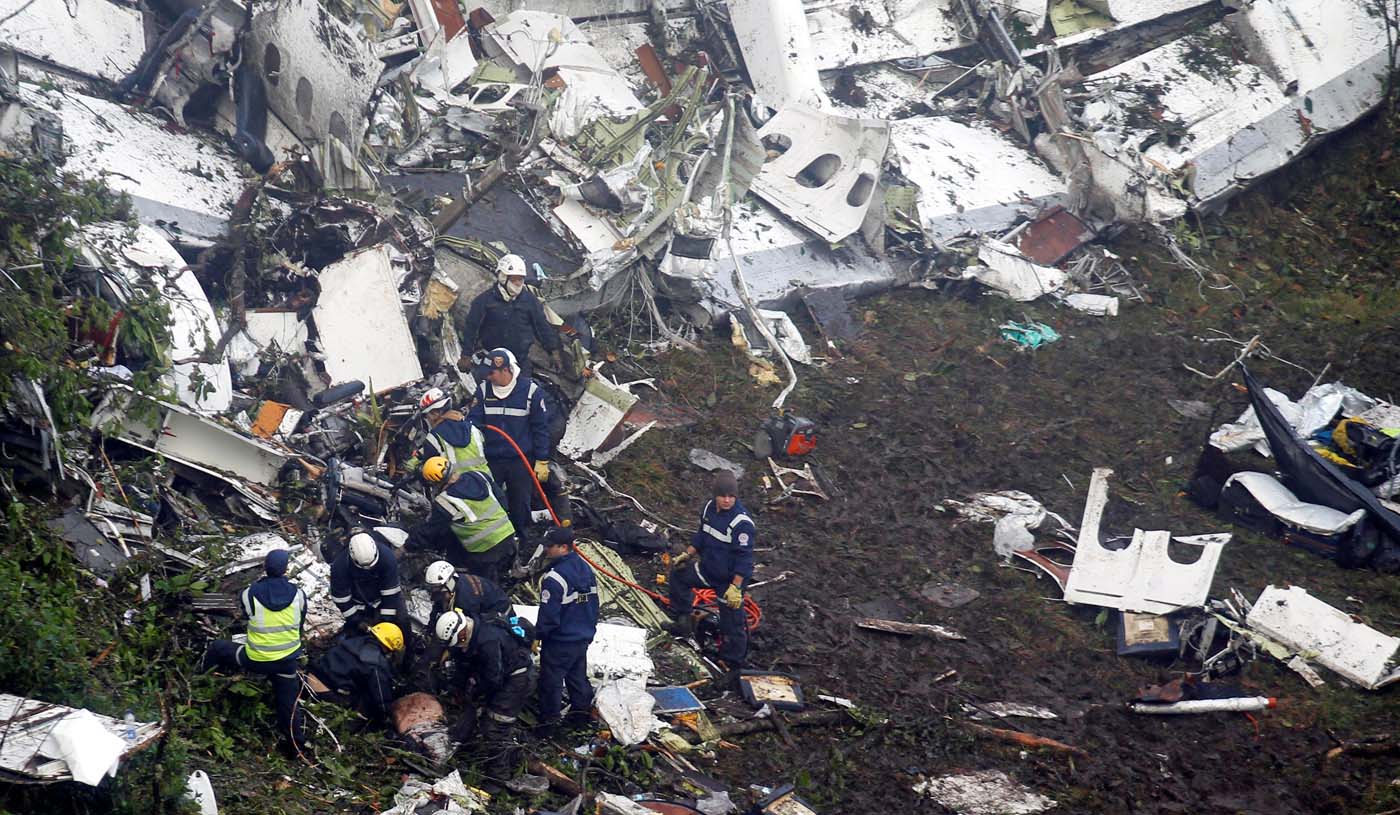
x: 542, y: 471
x: 681, y: 558
x: 733, y: 596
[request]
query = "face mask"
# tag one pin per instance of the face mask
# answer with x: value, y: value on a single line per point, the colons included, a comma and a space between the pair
x: 513, y: 288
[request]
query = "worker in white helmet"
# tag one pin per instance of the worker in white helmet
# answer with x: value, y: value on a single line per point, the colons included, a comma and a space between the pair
x: 509, y: 315
x: 365, y: 584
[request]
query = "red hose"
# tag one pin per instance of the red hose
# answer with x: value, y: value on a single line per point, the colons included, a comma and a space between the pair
x: 703, y: 597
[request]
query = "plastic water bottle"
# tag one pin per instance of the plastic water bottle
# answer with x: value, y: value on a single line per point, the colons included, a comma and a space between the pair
x: 130, y: 720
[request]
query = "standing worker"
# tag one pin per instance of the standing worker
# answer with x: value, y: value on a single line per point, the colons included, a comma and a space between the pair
x: 358, y: 671
x: 568, y: 619
x: 724, y: 543
x: 275, y: 608
x: 513, y: 404
x: 449, y: 435
x: 509, y: 315
x: 467, y: 523
x: 365, y: 584
x: 493, y: 665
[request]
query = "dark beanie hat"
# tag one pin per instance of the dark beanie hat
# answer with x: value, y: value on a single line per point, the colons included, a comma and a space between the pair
x: 725, y: 483
x: 276, y: 562
x: 559, y: 536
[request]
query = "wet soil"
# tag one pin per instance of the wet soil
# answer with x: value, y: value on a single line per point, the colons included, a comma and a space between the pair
x: 929, y: 404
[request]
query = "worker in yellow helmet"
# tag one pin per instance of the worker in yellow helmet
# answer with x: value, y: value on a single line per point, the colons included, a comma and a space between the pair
x: 358, y: 671
x: 468, y: 524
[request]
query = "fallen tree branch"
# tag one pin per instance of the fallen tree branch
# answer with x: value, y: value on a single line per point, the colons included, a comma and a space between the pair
x: 1249, y: 348
x: 1025, y: 739
x: 811, y: 718
x: 557, y: 779
x: 908, y: 629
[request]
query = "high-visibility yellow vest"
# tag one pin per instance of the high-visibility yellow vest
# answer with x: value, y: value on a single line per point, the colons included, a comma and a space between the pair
x: 273, y: 635
x: 478, y: 525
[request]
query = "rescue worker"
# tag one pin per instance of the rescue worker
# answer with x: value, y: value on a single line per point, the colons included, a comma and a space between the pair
x: 358, y: 671
x: 492, y: 664
x: 473, y: 595
x: 724, y: 543
x: 449, y: 435
x: 568, y: 619
x: 509, y: 315
x: 513, y: 404
x: 275, y: 608
x: 365, y: 584
x: 468, y: 523
x: 470, y: 593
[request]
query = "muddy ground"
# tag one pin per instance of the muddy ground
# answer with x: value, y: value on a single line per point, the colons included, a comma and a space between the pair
x: 929, y: 404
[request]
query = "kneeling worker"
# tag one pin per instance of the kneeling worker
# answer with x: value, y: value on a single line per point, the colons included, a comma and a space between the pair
x: 483, y: 537
x: 567, y: 621
x: 493, y: 667
x: 276, y: 609
x: 358, y: 671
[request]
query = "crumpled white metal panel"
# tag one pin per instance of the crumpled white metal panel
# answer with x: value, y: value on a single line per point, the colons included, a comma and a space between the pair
x: 360, y: 323
x: 862, y: 32
x: 970, y: 177
x: 204, y: 386
x: 319, y: 72
x: 92, y: 37
x: 1326, y: 634
x: 829, y: 172
x: 778, y: 52
x: 1143, y: 576
x: 178, y: 183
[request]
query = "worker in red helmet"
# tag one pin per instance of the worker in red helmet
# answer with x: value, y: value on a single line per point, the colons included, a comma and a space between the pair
x: 724, y: 543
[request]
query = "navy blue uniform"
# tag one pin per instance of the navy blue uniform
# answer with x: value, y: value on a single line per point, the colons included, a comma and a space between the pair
x: 522, y: 415
x: 515, y: 324
x: 370, y: 595
x: 357, y: 668
x: 497, y: 662
x: 275, y: 594
x: 724, y: 542
x: 567, y: 621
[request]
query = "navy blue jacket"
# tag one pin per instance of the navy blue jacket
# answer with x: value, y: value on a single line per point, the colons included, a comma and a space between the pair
x: 359, y: 666
x: 521, y: 414
x: 275, y: 594
x: 494, y: 322
x: 568, y: 602
x: 492, y: 656
x: 725, y: 542
x: 476, y: 597
x: 354, y: 589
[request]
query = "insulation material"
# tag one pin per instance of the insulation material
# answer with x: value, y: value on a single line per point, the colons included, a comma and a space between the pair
x: 93, y: 37
x: 183, y: 186
x: 778, y: 52
x: 626, y: 707
x: 360, y: 323
x: 39, y: 734
x: 320, y: 72
x: 595, y: 416
x: 1013, y: 274
x: 147, y: 255
x: 617, y: 651
x: 1326, y: 635
x: 1131, y: 12
x: 827, y: 171
x: 1316, y: 410
x: 970, y: 177
x: 987, y: 792
x: 1284, y: 505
